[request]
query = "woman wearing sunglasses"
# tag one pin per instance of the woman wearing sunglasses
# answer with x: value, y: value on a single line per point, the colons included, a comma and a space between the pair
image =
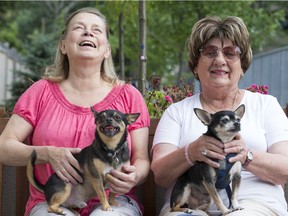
x: 219, y: 56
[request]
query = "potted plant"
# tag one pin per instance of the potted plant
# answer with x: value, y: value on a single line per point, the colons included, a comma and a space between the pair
x: 158, y: 100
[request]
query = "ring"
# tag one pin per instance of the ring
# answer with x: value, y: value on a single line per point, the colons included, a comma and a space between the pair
x: 241, y: 149
x: 204, y: 152
x: 61, y: 170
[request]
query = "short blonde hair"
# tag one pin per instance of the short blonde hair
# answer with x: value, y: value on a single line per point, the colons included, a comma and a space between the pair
x: 231, y: 27
x: 59, y: 71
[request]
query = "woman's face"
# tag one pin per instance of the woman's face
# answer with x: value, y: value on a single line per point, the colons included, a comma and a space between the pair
x: 219, y: 71
x: 86, y: 38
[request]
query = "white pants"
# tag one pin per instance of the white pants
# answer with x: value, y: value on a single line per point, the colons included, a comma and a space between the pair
x: 127, y: 207
x: 251, y: 208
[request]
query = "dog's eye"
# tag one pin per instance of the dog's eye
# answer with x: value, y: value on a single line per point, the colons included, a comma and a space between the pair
x: 224, y: 120
x: 117, y: 118
x: 101, y: 118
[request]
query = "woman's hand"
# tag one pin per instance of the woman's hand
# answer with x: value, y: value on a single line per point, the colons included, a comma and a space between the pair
x: 238, y: 146
x: 64, y: 163
x: 205, y: 148
x: 121, y: 182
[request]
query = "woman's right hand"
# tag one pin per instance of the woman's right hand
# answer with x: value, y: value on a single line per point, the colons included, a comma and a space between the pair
x: 64, y: 163
x: 205, y: 148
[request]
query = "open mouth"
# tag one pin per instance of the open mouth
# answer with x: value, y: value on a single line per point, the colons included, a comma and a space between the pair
x: 219, y: 73
x: 109, y: 130
x: 87, y: 43
x: 234, y: 130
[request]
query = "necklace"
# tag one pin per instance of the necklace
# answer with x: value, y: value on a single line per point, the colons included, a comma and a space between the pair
x: 232, y: 102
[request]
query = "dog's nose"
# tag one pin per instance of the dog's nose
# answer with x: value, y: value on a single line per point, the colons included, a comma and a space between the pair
x: 236, y: 124
x: 109, y: 120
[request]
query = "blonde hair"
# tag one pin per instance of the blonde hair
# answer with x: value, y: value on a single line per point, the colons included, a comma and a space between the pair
x: 231, y: 27
x: 59, y: 71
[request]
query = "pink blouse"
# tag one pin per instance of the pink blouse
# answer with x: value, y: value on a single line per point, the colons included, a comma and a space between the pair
x: 57, y: 122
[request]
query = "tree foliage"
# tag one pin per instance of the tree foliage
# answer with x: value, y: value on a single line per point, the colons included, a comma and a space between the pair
x: 170, y: 28
x: 33, y: 27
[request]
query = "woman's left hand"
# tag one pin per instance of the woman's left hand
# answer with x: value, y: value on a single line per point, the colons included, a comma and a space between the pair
x: 238, y: 146
x: 121, y: 182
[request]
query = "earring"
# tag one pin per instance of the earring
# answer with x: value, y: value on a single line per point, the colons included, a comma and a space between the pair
x: 196, y: 75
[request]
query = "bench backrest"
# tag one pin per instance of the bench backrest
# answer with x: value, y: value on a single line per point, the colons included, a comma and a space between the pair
x: 13, y: 183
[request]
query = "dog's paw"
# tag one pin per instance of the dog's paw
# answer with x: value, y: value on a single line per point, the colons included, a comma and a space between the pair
x: 107, y: 208
x: 81, y: 205
x: 237, y: 208
x: 56, y: 210
x: 226, y: 213
x: 188, y: 211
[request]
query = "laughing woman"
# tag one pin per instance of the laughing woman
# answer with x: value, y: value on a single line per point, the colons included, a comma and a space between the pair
x: 54, y: 115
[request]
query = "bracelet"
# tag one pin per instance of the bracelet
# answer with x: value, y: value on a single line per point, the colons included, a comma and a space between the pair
x: 187, y: 156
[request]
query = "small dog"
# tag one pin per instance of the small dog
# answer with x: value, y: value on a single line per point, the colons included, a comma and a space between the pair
x: 197, y: 186
x: 108, y: 151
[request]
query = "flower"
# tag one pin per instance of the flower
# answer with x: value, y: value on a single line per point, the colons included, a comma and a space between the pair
x: 263, y: 89
x: 158, y: 100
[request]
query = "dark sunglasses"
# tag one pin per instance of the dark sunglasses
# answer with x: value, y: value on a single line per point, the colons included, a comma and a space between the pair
x: 230, y: 53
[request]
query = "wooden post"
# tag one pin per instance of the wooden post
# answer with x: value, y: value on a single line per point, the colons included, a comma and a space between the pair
x: 121, y: 46
x: 142, y: 58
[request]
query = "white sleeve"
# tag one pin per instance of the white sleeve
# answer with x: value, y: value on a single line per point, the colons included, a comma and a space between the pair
x: 169, y: 126
x: 275, y: 122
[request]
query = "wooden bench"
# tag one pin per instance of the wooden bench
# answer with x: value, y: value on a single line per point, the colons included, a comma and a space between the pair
x: 14, y: 185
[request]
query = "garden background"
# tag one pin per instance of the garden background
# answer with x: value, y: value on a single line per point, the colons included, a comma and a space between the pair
x: 30, y: 30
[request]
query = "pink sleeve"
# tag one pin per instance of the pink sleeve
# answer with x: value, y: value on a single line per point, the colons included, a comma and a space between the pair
x: 29, y: 104
x: 135, y: 103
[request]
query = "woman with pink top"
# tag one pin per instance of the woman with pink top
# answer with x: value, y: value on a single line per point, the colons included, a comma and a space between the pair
x: 54, y: 116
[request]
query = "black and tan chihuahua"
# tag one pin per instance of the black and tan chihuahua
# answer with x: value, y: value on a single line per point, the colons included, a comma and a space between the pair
x: 196, y: 188
x: 109, y: 150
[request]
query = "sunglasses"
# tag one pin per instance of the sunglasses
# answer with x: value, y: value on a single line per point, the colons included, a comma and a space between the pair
x: 230, y: 53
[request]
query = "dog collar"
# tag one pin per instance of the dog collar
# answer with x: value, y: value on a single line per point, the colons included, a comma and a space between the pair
x: 115, y: 160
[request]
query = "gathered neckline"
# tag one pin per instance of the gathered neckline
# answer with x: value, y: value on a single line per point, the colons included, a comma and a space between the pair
x: 108, y: 99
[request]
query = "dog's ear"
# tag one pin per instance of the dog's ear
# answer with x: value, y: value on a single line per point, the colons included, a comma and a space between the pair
x: 203, y: 116
x: 132, y: 117
x: 240, y: 111
x: 94, y: 111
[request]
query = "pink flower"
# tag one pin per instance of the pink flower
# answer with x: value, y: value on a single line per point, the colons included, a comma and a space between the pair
x: 168, y: 98
x: 263, y: 89
x: 254, y: 86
